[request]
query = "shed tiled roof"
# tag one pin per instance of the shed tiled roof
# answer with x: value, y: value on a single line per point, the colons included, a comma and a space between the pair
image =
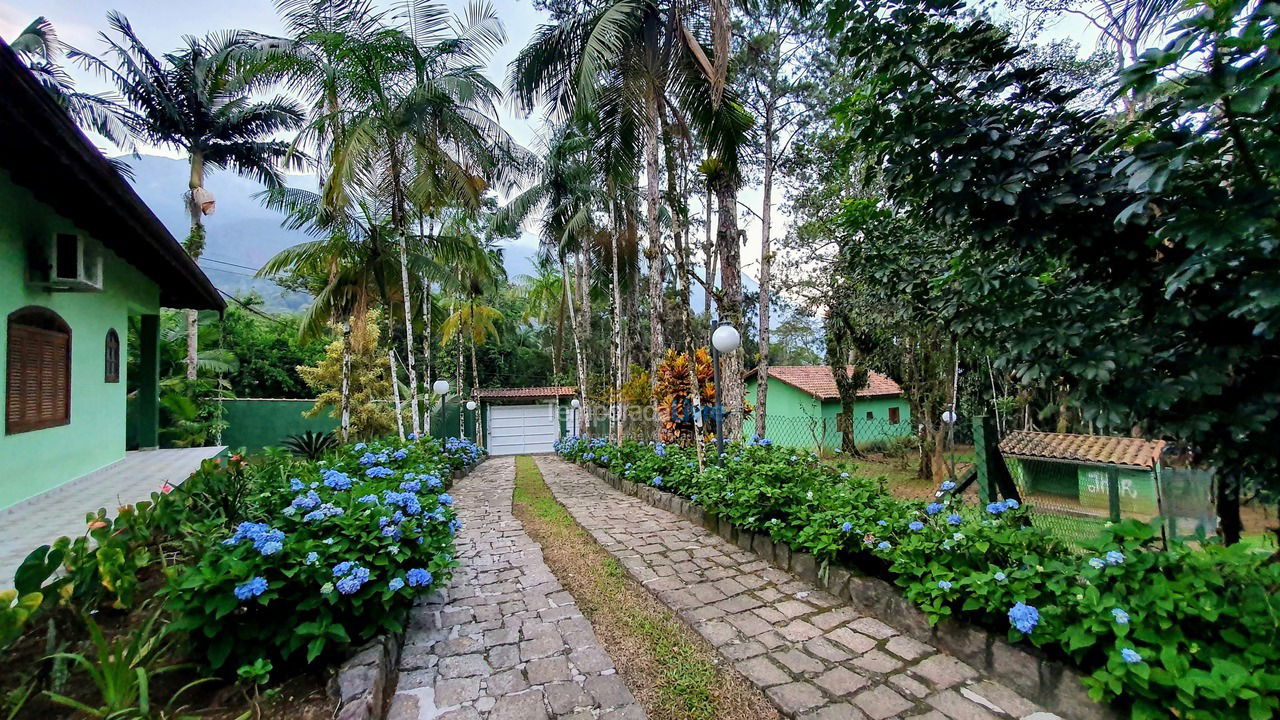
x: 820, y: 382
x: 1105, y: 449
x: 528, y: 393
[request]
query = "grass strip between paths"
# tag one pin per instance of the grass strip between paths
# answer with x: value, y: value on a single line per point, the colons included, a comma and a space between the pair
x: 673, y: 673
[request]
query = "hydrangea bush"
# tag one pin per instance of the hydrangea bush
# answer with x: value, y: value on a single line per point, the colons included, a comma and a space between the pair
x: 1188, y: 631
x: 333, y: 554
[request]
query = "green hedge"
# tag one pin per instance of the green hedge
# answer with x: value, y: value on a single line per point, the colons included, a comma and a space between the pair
x: 1187, y: 631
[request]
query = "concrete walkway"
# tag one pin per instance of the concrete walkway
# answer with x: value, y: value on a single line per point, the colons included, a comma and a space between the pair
x: 504, y: 641
x: 814, y: 656
x: 52, y: 514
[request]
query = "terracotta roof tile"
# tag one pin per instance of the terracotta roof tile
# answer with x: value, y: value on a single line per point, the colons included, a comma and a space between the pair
x: 1108, y: 449
x: 819, y: 381
x: 527, y: 393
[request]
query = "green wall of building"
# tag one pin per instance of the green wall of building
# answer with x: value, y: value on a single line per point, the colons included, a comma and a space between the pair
x: 35, y: 461
x: 799, y: 419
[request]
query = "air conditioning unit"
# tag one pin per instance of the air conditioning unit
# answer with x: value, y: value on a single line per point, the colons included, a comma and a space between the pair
x: 66, y: 263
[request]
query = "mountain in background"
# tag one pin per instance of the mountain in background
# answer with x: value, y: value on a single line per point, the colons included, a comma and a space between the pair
x: 242, y: 234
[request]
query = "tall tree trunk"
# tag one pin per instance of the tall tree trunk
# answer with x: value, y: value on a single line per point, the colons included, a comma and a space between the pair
x: 584, y: 317
x: 580, y: 359
x: 410, y: 371
x: 766, y: 263
x: 459, y: 368
x: 395, y: 392
x: 194, y: 248
x: 475, y: 369
x: 679, y: 216
x: 345, y: 422
x: 427, y: 354
x: 709, y: 256
x: 557, y: 351
x: 730, y: 303
x: 615, y: 343
x: 653, y: 130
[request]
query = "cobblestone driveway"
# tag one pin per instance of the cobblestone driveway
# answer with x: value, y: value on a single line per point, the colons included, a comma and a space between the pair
x: 504, y: 641
x: 812, y: 655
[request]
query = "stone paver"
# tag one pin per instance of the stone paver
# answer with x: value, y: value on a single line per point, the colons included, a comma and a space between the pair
x: 811, y: 653
x: 41, y: 519
x: 504, y: 641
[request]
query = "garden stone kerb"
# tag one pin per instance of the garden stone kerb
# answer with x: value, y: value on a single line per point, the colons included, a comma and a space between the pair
x: 1052, y: 684
x: 363, y: 685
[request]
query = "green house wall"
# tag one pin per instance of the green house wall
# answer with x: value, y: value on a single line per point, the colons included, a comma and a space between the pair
x: 798, y: 419
x: 39, y: 460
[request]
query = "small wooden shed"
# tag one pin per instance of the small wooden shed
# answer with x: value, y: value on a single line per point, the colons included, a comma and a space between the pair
x: 1077, y: 469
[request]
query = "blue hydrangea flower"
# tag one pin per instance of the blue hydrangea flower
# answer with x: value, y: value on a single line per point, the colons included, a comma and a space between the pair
x: 251, y: 588
x: 351, y: 582
x: 359, y: 446
x: 400, y: 454
x: 295, y: 484
x: 882, y: 523
x: 445, y: 499
x: 944, y: 585
x: 1097, y: 563
x: 1115, y: 557
x: 336, y: 480
x: 1011, y: 504
x: 1024, y: 618
x: 323, y: 512
x: 884, y: 545
x: 412, y: 486
x: 454, y: 526
x: 433, y: 482
x: 954, y: 519
x: 997, y: 508
x: 395, y: 584
x: 1131, y: 656
x: 1121, y: 616
x: 305, y: 502
x: 656, y: 481
x: 342, y: 568
x: 933, y: 508
x: 368, y: 499
x: 916, y: 526
x: 379, y: 472
x: 999, y: 576
x: 947, y: 486
x: 846, y: 527
x: 418, y: 577
x: 312, y: 558
x: 368, y: 459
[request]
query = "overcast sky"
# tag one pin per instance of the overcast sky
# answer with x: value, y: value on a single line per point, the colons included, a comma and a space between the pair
x: 162, y: 23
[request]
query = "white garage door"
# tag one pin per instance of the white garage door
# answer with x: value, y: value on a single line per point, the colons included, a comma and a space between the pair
x: 521, y: 429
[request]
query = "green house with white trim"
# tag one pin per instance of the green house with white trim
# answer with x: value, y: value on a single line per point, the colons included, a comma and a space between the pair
x: 803, y: 409
x: 80, y: 255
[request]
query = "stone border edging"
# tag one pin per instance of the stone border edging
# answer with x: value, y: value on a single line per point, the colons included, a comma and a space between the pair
x: 363, y: 685
x: 1053, y: 685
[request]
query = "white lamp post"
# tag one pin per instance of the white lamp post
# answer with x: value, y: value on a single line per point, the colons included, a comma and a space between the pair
x: 441, y: 388
x: 724, y: 339
x: 949, y: 417
x: 575, y: 404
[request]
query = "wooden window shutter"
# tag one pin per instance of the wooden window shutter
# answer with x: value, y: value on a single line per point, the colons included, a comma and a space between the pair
x: 894, y: 416
x: 38, y: 382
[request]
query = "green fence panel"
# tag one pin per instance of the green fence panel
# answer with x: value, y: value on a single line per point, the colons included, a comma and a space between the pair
x: 257, y: 423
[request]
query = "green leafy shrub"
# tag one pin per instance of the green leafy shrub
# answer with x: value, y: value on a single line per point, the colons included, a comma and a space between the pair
x: 328, y: 557
x: 310, y: 444
x: 1190, y: 631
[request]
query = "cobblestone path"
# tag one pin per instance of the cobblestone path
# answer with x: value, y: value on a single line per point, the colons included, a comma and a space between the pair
x: 814, y: 656
x: 504, y: 641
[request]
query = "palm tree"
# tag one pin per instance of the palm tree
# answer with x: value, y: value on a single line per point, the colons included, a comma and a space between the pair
x: 198, y: 100
x: 626, y: 60
x: 545, y: 302
x: 39, y: 48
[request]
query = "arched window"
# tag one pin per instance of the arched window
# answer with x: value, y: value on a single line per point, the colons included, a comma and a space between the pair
x: 112, y: 360
x: 38, y: 377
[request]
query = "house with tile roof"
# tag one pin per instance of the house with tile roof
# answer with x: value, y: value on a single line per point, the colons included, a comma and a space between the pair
x: 525, y: 420
x: 1074, y: 472
x: 804, y: 408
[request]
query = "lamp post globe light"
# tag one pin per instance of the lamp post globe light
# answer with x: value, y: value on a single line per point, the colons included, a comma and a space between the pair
x: 471, y: 405
x: 949, y: 417
x: 440, y: 387
x: 724, y: 339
